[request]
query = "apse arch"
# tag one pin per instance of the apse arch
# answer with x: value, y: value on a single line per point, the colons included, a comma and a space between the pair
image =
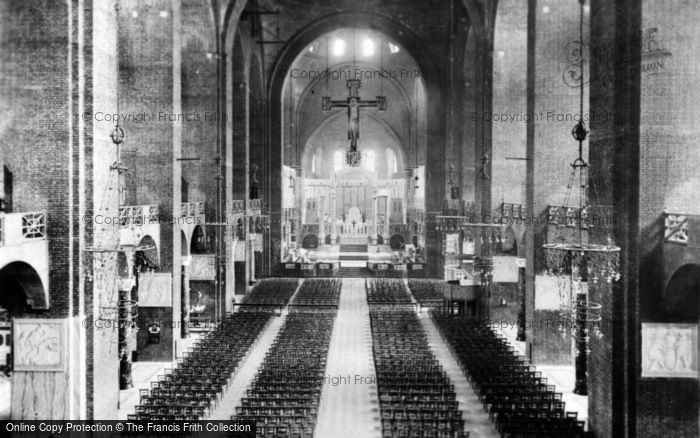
x: 298, y: 42
x: 386, y: 26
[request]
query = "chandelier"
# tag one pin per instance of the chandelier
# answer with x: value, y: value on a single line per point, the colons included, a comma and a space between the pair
x: 581, y: 266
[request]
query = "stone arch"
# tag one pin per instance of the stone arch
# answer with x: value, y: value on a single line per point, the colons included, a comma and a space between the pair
x: 681, y: 301
x: 22, y: 288
x: 148, y: 255
x: 184, y: 245
x: 198, y: 241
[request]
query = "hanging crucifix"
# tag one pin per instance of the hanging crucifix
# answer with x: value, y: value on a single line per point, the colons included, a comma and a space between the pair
x: 353, y: 103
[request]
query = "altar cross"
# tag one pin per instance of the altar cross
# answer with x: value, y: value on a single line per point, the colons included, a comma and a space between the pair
x: 353, y: 103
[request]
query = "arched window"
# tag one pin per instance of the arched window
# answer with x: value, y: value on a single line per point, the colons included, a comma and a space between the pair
x: 313, y: 162
x: 338, y: 160
x: 369, y: 161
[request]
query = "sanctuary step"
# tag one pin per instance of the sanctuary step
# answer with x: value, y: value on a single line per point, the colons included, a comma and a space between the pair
x: 353, y: 248
x: 354, y: 239
x: 353, y: 257
x: 348, y: 272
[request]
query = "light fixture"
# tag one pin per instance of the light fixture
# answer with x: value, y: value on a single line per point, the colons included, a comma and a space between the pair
x: 368, y: 47
x: 393, y: 48
x: 117, y: 135
x: 339, y: 47
x: 415, y: 182
x: 581, y: 265
x: 291, y: 182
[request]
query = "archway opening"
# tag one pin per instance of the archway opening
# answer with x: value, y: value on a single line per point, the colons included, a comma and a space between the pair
x: 353, y: 132
x: 681, y: 302
x: 22, y: 290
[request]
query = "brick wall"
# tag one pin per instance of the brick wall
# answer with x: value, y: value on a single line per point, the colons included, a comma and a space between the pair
x: 35, y: 127
x: 146, y: 86
x: 199, y: 65
x: 669, y: 178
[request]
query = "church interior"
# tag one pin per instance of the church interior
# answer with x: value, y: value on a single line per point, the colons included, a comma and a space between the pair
x: 398, y: 218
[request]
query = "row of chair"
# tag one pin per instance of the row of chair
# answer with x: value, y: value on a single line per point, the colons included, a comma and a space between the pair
x: 427, y: 292
x: 416, y: 397
x: 516, y: 395
x: 284, y: 396
x: 272, y: 292
x: 387, y: 291
x: 317, y: 295
x: 190, y: 389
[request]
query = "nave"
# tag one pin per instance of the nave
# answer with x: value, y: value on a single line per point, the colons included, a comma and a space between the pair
x: 357, y: 358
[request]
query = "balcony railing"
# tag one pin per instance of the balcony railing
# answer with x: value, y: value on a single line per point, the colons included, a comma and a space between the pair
x: 191, y: 209
x: 567, y: 216
x: 138, y: 215
x: 238, y: 206
x: 514, y: 210
x: 255, y: 204
x: 676, y: 228
x: 17, y: 228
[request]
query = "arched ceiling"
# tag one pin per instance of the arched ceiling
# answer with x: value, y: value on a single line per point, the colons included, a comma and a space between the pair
x: 384, y: 67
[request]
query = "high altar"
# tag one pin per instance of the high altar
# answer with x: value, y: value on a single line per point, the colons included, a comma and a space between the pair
x: 352, y: 208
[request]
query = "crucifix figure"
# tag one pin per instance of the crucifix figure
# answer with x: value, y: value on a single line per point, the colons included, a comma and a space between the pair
x: 353, y: 103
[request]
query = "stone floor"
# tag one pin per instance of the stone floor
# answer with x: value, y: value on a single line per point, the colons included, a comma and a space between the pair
x: 248, y: 368
x: 476, y: 420
x: 349, y: 405
x: 142, y: 374
x: 244, y: 375
x: 563, y: 377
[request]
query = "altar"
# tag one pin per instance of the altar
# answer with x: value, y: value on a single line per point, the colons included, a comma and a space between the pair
x: 352, y: 207
x: 354, y: 225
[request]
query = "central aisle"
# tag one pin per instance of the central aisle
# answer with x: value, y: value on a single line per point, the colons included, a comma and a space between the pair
x: 476, y: 420
x: 349, y: 406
